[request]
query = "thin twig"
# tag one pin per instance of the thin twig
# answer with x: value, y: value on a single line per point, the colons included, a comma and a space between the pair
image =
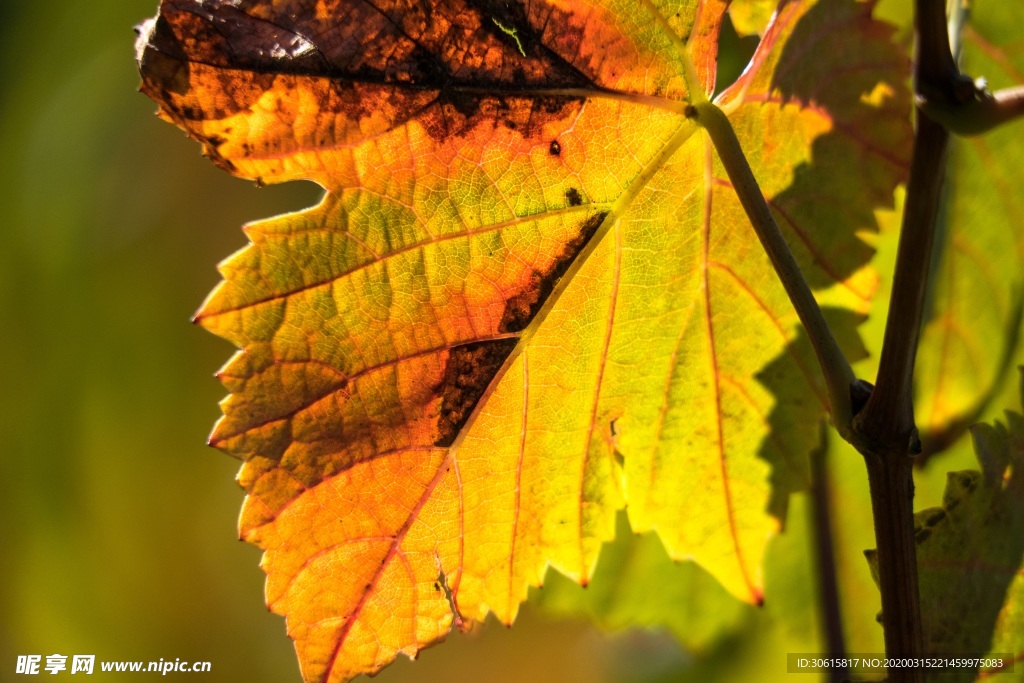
x: 979, y: 115
x: 824, y: 552
x: 961, y: 104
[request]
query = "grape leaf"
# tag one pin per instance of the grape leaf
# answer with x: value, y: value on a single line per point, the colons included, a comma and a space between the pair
x: 528, y: 297
x: 972, y: 338
x: 970, y: 552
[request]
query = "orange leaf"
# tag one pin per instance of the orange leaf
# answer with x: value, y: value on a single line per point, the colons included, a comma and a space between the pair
x: 478, y: 346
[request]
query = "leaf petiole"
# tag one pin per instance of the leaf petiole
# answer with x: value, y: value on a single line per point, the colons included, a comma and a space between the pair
x: 839, y: 377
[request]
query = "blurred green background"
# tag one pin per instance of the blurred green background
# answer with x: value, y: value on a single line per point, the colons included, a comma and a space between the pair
x: 117, y: 523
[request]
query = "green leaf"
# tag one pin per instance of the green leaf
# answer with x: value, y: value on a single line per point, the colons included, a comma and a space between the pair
x: 637, y: 585
x: 972, y: 338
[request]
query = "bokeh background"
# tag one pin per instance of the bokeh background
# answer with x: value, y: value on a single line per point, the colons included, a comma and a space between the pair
x: 117, y: 523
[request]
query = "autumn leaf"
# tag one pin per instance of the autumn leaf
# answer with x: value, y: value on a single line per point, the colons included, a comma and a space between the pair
x: 530, y: 295
x: 970, y: 552
x: 972, y: 339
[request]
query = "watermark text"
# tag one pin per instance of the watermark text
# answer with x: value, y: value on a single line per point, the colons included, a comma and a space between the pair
x: 34, y: 665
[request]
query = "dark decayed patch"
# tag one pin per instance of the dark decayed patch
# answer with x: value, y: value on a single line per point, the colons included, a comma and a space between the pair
x: 521, y: 308
x: 402, y: 55
x: 506, y: 17
x: 554, y: 149
x: 572, y: 195
x: 457, y: 111
x: 181, y: 61
x: 468, y: 372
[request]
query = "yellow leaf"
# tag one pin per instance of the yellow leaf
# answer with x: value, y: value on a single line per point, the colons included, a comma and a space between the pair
x: 530, y: 296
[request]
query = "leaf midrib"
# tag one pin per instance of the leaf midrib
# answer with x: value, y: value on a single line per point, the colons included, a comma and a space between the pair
x: 482, y: 88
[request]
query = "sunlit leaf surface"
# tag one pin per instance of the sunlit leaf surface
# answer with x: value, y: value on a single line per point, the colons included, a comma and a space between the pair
x: 530, y: 295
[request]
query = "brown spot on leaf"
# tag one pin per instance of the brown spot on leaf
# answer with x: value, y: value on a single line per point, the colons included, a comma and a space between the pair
x: 572, y: 195
x: 521, y: 308
x: 468, y: 372
x: 555, y: 149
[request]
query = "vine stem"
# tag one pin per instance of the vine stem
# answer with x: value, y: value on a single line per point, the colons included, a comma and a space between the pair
x: 839, y: 377
x: 886, y: 424
x: 825, y: 558
x: 885, y: 432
